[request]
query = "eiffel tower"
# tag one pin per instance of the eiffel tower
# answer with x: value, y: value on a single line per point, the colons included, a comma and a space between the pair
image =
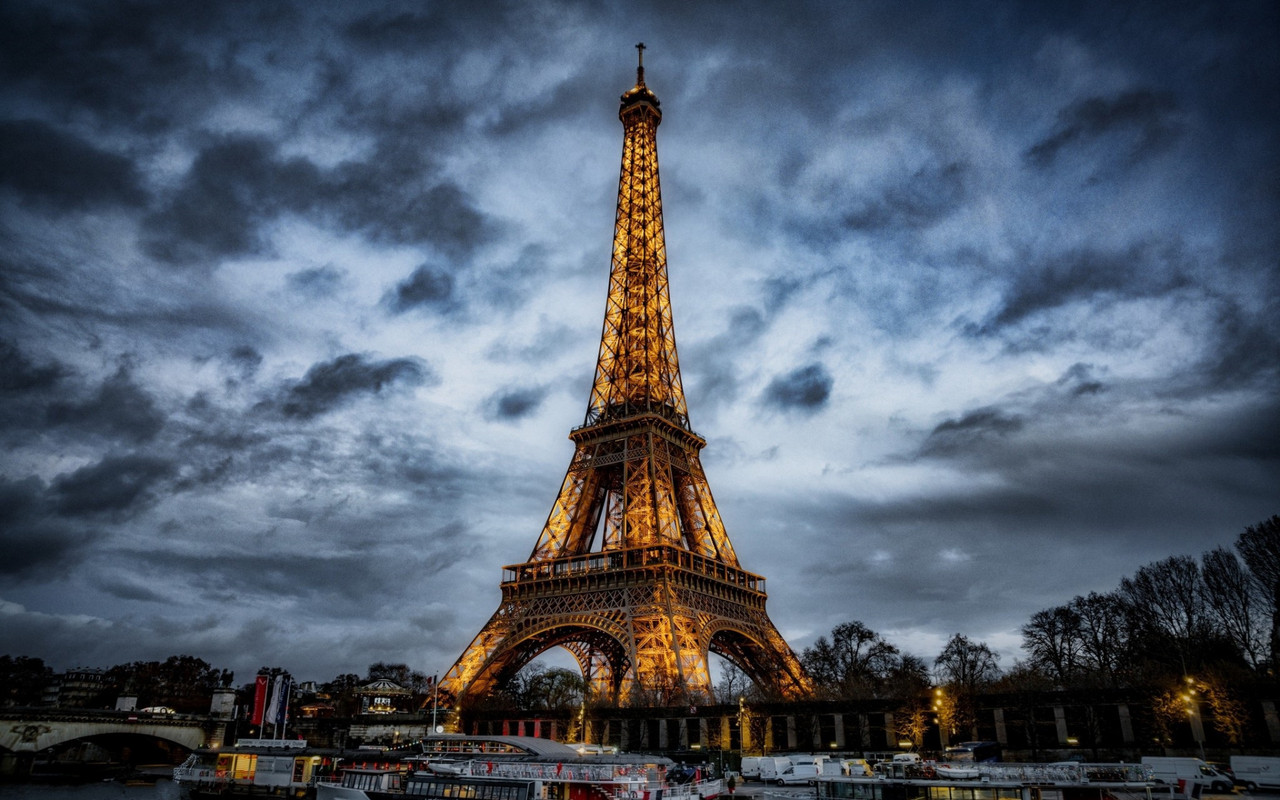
x: 641, y: 611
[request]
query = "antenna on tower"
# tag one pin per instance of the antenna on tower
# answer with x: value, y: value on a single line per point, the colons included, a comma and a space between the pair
x: 640, y: 68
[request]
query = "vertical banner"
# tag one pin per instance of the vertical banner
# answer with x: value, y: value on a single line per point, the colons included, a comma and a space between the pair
x: 284, y: 686
x: 259, y: 699
x: 273, y: 708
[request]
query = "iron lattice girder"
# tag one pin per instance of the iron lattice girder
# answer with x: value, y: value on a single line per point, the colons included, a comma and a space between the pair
x: 644, y: 475
x: 637, y: 368
x: 633, y: 572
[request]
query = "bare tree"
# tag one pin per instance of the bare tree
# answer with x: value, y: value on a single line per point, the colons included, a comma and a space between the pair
x: 1259, y: 546
x: 1234, y: 601
x: 538, y: 688
x: 967, y: 664
x: 1166, y: 600
x: 1104, y: 637
x: 855, y: 662
x: 734, y: 684
x: 965, y: 667
x: 1053, y: 641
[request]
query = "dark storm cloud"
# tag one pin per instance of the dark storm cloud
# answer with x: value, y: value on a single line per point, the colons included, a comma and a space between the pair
x: 239, y: 184
x: 148, y: 65
x: 957, y: 436
x: 347, y: 580
x: 1079, y: 380
x: 927, y: 196
x: 120, y: 408
x: 19, y: 374
x: 1145, y: 113
x: 34, y: 546
x: 246, y: 359
x: 317, y: 281
x: 712, y: 369
x: 804, y: 389
x: 45, y: 165
x: 1248, y: 349
x: 1145, y: 269
x: 232, y: 188
x: 516, y: 403
x: 114, y: 484
x: 406, y: 31
x: 427, y: 286
x: 332, y: 384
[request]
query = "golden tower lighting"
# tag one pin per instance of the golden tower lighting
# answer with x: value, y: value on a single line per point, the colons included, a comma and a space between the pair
x: 634, y: 573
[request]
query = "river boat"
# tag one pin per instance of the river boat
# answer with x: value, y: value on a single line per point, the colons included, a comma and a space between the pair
x: 262, y: 767
x: 600, y: 777
x: 999, y: 781
x: 442, y: 765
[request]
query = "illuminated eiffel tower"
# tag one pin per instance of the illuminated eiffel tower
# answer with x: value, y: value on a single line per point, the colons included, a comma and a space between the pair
x: 633, y: 573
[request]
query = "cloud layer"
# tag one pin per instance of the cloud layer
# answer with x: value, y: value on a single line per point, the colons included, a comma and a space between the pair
x: 298, y: 303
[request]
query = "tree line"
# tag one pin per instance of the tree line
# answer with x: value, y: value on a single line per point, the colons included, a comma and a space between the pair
x: 186, y: 684
x: 1181, y: 627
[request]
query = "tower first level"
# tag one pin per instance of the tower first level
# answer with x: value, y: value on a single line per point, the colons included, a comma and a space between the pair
x: 634, y: 573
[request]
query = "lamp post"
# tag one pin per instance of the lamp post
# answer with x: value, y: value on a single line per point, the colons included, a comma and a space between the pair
x: 1192, y: 701
x: 943, y: 716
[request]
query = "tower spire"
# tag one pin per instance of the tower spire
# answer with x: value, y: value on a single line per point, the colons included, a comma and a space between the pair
x: 640, y: 67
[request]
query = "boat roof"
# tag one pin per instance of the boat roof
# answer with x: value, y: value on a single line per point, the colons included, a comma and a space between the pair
x: 477, y: 745
x: 534, y: 747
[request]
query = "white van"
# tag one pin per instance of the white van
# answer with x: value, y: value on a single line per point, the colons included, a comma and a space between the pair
x: 1256, y: 772
x: 1187, y: 771
x: 771, y: 766
x: 797, y: 772
x: 750, y: 768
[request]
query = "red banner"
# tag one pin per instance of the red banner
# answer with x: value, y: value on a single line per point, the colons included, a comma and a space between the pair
x: 259, y: 699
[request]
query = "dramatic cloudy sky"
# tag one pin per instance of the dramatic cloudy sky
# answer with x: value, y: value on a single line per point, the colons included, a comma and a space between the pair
x: 976, y: 305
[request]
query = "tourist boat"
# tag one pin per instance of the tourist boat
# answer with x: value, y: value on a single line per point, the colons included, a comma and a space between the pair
x: 999, y: 781
x: 442, y: 765
x: 257, y: 767
x: 558, y: 772
x: 517, y: 781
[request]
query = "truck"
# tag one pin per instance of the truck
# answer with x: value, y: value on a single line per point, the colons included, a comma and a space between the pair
x: 750, y: 768
x: 1187, y: 773
x: 1256, y: 772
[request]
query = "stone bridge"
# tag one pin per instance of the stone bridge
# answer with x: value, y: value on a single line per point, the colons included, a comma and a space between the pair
x: 33, y: 730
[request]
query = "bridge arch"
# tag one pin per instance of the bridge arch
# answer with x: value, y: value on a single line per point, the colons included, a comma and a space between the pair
x: 44, y: 732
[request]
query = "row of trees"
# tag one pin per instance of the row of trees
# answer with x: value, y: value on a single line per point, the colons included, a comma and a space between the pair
x: 186, y: 684
x: 1176, y: 617
x: 1182, y: 629
x: 183, y: 683
x: 1219, y: 615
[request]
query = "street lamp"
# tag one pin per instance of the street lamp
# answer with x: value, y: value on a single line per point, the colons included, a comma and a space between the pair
x: 943, y: 717
x: 1193, y: 713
